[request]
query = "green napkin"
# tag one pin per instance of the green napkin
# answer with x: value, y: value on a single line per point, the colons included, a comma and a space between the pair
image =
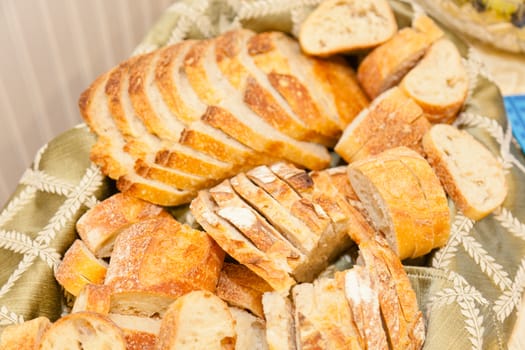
x: 469, y: 292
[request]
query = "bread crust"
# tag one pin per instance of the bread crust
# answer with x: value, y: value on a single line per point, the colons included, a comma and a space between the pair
x: 93, y: 298
x: 24, y: 335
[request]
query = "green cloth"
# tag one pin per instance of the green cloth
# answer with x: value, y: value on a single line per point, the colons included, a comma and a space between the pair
x: 469, y: 290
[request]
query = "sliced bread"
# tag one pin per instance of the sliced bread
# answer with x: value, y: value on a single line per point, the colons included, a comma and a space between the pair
x: 471, y: 175
x: 280, y: 328
x: 337, y: 26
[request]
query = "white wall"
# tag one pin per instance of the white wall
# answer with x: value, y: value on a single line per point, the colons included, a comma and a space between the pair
x: 50, y: 51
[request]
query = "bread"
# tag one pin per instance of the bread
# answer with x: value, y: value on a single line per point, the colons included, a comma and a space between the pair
x: 393, y: 119
x: 337, y: 26
x: 169, y: 259
x: 242, y: 288
x: 236, y: 65
x: 228, y: 113
x: 237, y: 245
x: 469, y: 172
x: 100, y: 225
x: 250, y: 330
x: 324, y: 319
x: 388, y: 63
x: 361, y: 293
x: 24, y: 336
x: 216, y: 326
x: 280, y: 329
x: 255, y: 227
x: 292, y: 75
x: 93, y: 298
x: 439, y: 82
x: 79, y: 267
x: 140, y: 333
x: 395, y: 201
x: 82, y: 330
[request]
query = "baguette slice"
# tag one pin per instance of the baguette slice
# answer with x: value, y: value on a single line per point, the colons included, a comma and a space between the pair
x: 109, y: 151
x: 140, y: 333
x: 388, y: 63
x: 280, y: 329
x: 439, y: 82
x: 236, y: 65
x: 469, y: 172
x: 83, y: 331
x: 395, y: 202
x: 344, y: 26
x: 168, y: 260
x: 250, y: 330
x: 99, y: 226
x: 197, y: 320
x: 242, y: 288
x: 393, y: 119
x: 237, y: 245
x: 228, y: 113
x: 79, y: 267
x: 24, y: 335
x: 93, y: 298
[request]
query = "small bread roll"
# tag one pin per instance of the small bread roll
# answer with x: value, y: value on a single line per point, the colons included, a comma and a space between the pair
x: 439, y: 82
x: 80, y: 267
x: 100, y: 225
x: 83, y: 331
x: 344, y: 26
x: 24, y: 335
x: 470, y: 173
x: 197, y: 320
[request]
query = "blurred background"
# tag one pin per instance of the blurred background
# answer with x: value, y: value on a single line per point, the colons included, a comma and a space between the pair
x: 51, y: 51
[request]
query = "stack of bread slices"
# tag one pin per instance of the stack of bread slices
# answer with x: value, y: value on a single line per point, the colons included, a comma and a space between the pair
x: 240, y: 127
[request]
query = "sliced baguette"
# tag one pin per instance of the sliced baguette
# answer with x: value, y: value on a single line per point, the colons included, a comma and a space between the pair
x: 78, y: 267
x: 169, y: 259
x: 439, y: 82
x: 228, y: 113
x: 393, y: 119
x: 237, y: 245
x: 258, y: 94
x: 290, y: 73
x: 337, y: 26
x: 388, y: 63
x: 215, y: 330
x: 94, y: 298
x: 100, y: 225
x: 140, y: 333
x: 280, y: 328
x: 250, y: 330
x: 83, y: 330
x: 469, y: 172
x: 242, y: 288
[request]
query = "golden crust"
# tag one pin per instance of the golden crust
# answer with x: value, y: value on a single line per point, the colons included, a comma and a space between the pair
x: 25, y: 335
x: 240, y: 287
x: 93, y: 298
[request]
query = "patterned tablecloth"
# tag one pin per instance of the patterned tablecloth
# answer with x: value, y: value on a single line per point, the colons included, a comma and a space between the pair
x: 470, y: 290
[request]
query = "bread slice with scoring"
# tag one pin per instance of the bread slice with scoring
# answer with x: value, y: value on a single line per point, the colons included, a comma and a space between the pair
x: 237, y: 245
x: 439, y: 82
x: 393, y: 119
x: 215, y: 330
x: 343, y: 26
x: 471, y: 175
x: 388, y: 63
x: 83, y: 330
x: 280, y: 327
x: 169, y: 259
x: 78, y: 267
x: 228, y: 113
